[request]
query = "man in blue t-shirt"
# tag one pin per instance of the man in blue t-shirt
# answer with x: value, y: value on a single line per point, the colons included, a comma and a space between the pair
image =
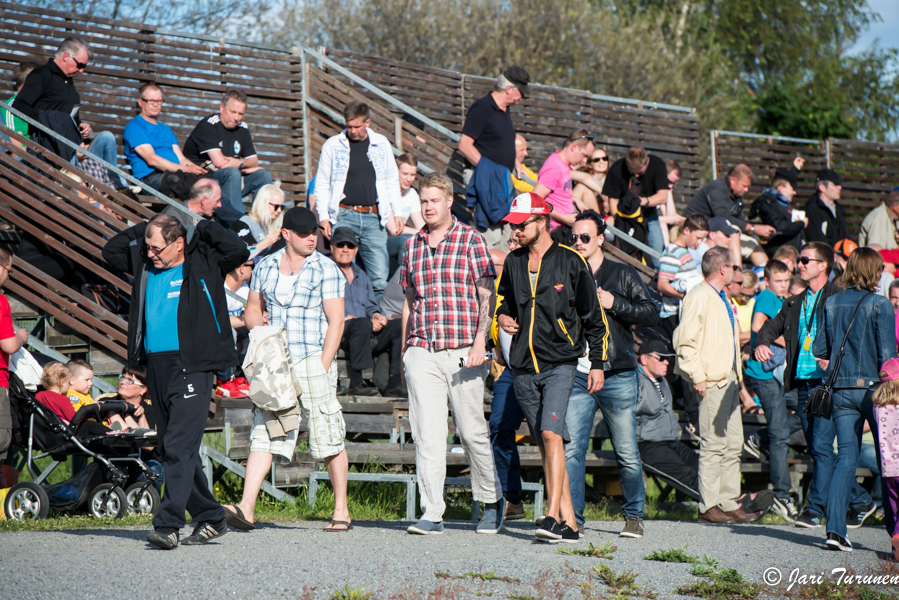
x: 150, y: 146
x: 761, y: 378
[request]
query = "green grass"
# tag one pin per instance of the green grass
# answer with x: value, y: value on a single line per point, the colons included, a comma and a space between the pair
x: 351, y: 594
x: 718, y: 584
x: 675, y: 555
x: 482, y: 575
x: 592, y: 551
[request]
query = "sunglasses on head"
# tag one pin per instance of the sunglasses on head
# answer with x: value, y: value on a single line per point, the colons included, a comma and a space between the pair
x: 589, y: 136
x: 600, y: 159
x: 806, y: 260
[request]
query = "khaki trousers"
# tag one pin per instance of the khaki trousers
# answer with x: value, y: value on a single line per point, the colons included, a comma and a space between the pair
x: 721, y: 442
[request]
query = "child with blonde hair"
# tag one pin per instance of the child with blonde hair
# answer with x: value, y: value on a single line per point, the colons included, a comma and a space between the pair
x: 886, y: 413
x: 79, y: 393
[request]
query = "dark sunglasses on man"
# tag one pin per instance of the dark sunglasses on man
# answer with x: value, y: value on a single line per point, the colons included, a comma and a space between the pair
x: 584, y: 237
x: 806, y: 260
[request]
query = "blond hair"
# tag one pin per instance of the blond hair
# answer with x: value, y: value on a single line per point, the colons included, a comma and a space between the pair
x: 887, y: 393
x: 863, y: 269
x: 55, y: 376
x: 259, y: 211
x: 438, y: 181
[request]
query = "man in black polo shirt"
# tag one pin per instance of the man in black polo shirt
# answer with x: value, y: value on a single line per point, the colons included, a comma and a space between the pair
x: 222, y: 143
x: 646, y: 176
x: 488, y: 134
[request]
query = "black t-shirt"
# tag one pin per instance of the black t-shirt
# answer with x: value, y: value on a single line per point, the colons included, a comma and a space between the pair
x: 654, y: 179
x: 360, y: 187
x: 492, y: 131
x: 210, y: 134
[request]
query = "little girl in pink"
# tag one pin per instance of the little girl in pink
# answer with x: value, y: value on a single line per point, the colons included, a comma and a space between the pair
x: 886, y: 412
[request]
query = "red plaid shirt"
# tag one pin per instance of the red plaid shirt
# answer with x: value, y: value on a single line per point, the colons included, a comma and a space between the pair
x: 445, y: 309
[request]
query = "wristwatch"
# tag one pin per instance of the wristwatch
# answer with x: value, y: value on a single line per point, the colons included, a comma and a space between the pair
x: 241, y: 163
x: 751, y: 227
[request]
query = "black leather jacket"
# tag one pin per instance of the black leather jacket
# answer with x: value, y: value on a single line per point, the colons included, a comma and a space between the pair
x: 632, y: 306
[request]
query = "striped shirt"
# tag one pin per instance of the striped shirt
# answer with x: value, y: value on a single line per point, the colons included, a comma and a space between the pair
x: 676, y: 265
x: 13, y: 122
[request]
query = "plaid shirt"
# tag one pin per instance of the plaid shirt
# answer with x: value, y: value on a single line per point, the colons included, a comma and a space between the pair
x: 303, y: 316
x: 445, y: 309
x: 96, y: 170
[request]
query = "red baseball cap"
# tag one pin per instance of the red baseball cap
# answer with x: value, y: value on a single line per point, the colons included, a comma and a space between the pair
x: 527, y: 204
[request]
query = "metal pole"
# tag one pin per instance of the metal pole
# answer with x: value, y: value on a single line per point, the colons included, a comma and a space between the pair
x: 307, y: 143
x: 713, y: 135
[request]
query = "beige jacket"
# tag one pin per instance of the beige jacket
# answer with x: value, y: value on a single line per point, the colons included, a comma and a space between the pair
x: 707, y: 346
x: 878, y: 228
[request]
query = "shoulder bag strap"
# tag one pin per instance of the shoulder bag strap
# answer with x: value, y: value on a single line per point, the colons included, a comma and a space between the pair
x: 839, y: 359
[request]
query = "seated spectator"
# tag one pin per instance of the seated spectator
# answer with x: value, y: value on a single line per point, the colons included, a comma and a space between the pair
x: 826, y: 216
x: 79, y: 388
x: 222, y: 143
x: 773, y: 206
x: 788, y: 255
x: 230, y: 384
x: 237, y: 281
x: 55, y: 381
x: 893, y: 294
x: 150, y: 146
x: 584, y: 196
x: 523, y: 179
x: 409, y: 210
x: 881, y: 225
x: 668, y: 215
x: 678, y: 271
x: 205, y: 196
x: 799, y: 286
x: 18, y: 79
x: 554, y: 180
x: 745, y: 300
x: 366, y: 331
x: 393, y: 298
x: 258, y: 228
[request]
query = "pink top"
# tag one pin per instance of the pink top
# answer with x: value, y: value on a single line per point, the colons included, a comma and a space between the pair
x: 888, y: 438
x: 556, y: 175
x: 897, y: 330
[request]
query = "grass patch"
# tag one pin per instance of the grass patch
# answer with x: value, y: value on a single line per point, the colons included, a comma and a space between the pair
x: 675, y: 555
x: 483, y: 576
x: 705, y: 566
x: 351, y: 594
x: 622, y: 584
x: 592, y: 551
x: 719, y: 584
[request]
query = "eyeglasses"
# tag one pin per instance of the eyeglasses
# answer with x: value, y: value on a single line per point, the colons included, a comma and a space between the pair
x: 149, y: 250
x: 155, y: 102
x: 8, y: 271
x: 276, y: 207
x: 344, y: 245
x: 584, y: 237
x: 520, y: 226
x: 806, y: 260
x: 81, y: 66
x: 130, y: 380
x: 737, y: 268
x: 600, y: 159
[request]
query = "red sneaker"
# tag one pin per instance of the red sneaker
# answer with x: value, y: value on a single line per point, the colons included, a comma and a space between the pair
x: 243, y: 385
x: 229, y: 389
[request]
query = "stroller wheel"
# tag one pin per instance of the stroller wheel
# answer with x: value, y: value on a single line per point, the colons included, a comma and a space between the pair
x: 107, y: 501
x: 145, y: 503
x: 25, y: 501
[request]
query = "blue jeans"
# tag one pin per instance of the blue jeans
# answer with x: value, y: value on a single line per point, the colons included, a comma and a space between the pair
x: 372, y: 245
x: 867, y: 459
x: 772, y: 398
x: 851, y: 407
x: 235, y: 185
x: 819, y: 436
x: 618, y: 402
x: 104, y: 146
x: 654, y: 237
x: 505, y: 419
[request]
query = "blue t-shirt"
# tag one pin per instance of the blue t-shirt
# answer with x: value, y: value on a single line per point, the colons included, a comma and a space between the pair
x: 161, y: 309
x: 769, y: 305
x: 140, y: 131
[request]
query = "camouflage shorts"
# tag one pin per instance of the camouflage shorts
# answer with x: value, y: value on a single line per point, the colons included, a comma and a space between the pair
x: 319, y: 406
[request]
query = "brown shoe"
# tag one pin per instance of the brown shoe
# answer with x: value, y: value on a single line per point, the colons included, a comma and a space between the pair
x: 739, y: 516
x: 716, y: 516
x: 514, y: 512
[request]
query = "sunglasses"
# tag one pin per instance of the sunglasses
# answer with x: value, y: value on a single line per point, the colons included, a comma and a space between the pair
x: 520, y: 226
x: 344, y: 245
x: 600, y: 159
x: 806, y: 260
x: 584, y: 237
x: 80, y: 65
x: 250, y: 264
x: 589, y: 136
x: 276, y: 207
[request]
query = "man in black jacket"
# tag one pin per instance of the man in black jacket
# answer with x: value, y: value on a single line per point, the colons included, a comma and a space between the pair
x: 826, y: 216
x: 179, y: 327
x: 625, y: 302
x: 773, y: 206
x: 797, y: 322
x: 549, y: 306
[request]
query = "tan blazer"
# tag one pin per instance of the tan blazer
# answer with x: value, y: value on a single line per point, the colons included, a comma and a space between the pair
x: 706, y: 344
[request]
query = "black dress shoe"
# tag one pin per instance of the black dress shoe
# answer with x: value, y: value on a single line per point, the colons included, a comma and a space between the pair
x: 399, y: 391
x: 342, y: 390
x: 363, y: 390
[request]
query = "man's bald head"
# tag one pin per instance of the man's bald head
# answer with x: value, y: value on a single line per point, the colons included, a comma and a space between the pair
x: 498, y: 257
x: 521, y: 148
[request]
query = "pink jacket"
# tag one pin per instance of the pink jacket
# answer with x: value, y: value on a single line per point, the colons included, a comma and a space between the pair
x: 888, y: 438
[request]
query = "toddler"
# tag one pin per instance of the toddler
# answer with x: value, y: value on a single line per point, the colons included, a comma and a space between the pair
x: 886, y: 413
x: 55, y: 380
x: 79, y: 387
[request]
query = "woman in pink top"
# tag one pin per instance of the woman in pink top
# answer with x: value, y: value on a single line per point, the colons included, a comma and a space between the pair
x: 886, y: 412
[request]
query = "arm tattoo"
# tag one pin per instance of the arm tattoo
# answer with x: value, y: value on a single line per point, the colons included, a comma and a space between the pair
x: 486, y: 304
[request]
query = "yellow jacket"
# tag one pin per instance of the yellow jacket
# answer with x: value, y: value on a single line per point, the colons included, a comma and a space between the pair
x: 707, y: 346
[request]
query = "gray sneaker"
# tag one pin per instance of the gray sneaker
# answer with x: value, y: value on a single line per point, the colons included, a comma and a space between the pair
x: 426, y: 528
x: 492, y: 520
x: 205, y: 531
x: 633, y: 528
x: 164, y: 537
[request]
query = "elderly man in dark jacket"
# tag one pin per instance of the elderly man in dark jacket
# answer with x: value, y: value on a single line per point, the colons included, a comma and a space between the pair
x: 179, y: 327
x: 625, y: 302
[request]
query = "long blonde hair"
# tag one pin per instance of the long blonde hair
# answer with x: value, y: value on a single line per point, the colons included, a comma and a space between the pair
x: 259, y: 210
x: 887, y: 393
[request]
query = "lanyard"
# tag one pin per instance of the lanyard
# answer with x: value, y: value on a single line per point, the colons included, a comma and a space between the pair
x: 808, y: 321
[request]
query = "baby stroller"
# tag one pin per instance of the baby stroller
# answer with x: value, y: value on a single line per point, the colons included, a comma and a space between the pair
x: 97, y: 488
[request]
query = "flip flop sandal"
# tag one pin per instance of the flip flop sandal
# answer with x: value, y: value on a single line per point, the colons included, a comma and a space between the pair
x: 333, y: 530
x: 236, y: 519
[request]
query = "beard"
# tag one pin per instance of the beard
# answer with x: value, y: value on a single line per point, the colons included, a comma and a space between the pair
x: 524, y: 240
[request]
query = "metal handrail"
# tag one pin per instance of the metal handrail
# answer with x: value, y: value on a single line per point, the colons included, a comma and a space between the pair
x: 765, y: 136
x: 41, y: 347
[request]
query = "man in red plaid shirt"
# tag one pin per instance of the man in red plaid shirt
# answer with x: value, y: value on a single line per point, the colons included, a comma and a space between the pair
x: 449, y: 279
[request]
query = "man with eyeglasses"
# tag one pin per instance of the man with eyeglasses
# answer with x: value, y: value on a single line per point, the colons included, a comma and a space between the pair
x: 550, y: 306
x: 626, y: 304
x: 554, y: 180
x: 179, y: 327
x: 798, y: 322
x: 150, y: 146
x: 204, y: 198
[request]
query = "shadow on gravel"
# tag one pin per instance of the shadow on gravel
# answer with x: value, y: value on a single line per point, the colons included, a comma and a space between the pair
x: 813, y: 538
x: 130, y: 534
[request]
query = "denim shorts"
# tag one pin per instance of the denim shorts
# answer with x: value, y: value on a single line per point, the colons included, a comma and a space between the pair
x: 543, y: 398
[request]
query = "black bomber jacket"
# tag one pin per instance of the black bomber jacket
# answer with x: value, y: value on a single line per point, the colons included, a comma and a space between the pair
x: 556, y: 314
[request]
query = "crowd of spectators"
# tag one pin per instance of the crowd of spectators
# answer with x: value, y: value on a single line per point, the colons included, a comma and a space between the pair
x: 728, y: 312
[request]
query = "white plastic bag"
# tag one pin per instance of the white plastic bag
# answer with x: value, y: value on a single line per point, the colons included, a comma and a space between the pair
x: 27, y: 368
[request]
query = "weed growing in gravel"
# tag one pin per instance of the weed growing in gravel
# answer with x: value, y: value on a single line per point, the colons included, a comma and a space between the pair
x: 623, y: 585
x: 488, y: 576
x: 675, y: 555
x: 351, y: 594
x: 705, y: 566
x: 593, y: 551
x: 720, y: 584
x: 522, y: 597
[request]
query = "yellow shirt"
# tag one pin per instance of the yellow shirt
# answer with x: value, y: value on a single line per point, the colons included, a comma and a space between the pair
x: 744, y: 314
x: 523, y: 185
x: 78, y: 400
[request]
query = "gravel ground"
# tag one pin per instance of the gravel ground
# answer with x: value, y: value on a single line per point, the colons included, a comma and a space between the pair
x: 286, y: 560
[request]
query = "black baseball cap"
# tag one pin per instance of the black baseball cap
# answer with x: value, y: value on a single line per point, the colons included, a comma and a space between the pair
x: 652, y: 346
x: 789, y: 175
x: 342, y: 235
x: 723, y: 225
x: 518, y: 77
x: 828, y: 175
x: 300, y: 219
